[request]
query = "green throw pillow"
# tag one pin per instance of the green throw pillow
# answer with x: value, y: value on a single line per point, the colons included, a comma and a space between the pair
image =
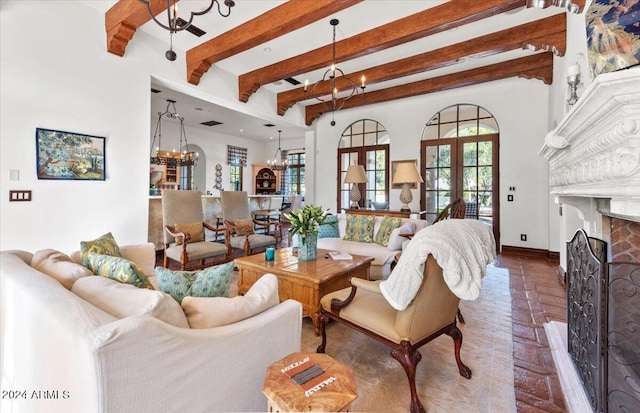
x: 359, y: 228
x: 105, y: 245
x: 330, y: 228
x: 387, y: 226
x: 209, y: 282
x: 117, y: 268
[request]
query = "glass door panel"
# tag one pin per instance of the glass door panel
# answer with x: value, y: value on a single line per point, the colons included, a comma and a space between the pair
x: 377, y: 175
x: 460, y: 167
x: 437, y: 175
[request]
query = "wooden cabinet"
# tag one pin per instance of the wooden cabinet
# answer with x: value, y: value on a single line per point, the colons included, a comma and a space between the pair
x: 171, y: 175
x: 266, y: 182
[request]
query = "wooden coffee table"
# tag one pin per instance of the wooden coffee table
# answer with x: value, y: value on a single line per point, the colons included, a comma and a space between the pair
x: 303, y: 281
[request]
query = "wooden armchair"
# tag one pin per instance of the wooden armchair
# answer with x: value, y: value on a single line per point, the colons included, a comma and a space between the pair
x: 184, y: 239
x: 431, y: 314
x: 455, y: 209
x: 237, y: 217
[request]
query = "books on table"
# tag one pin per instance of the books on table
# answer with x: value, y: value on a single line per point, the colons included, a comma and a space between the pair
x: 337, y: 255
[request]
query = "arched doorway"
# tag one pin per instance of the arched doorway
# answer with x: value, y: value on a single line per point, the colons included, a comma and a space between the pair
x: 460, y: 158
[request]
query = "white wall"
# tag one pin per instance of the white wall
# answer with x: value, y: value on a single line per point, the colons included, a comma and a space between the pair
x: 558, y: 94
x: 520, y: 107
x: 59, y: 76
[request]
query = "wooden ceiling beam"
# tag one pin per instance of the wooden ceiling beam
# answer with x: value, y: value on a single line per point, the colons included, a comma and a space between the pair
x: 123, y: 19
x: 538, y: 66
x: 425, y: 23
x: 548, y: 34
x: 277, y: 22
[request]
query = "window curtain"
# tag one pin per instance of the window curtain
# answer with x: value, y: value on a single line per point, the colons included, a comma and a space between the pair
x: 284, y: 177
x: 236, y: 156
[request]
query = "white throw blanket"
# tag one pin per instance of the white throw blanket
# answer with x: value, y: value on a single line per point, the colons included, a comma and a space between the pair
x: 462, y: 247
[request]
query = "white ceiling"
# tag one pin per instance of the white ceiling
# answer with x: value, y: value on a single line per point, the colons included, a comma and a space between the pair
x: 353, y: 20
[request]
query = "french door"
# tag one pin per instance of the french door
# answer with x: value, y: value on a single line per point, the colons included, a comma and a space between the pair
x: 464, y: 167
x: 375, y: 160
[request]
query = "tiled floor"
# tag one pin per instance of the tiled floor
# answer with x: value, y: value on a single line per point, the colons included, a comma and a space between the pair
x: 537, y: 297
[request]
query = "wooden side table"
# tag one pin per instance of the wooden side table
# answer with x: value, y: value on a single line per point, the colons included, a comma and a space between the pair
x: 323, y: 384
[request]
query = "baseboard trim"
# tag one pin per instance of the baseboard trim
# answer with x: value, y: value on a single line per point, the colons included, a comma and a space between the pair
x: 552, y: 256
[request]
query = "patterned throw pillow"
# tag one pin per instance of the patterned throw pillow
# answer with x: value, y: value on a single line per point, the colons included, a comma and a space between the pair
x: 119, y: 269
x: 359, y: 228
x: 106, y: 245
x: 194, y: 229
x: 330, y: 228
x: 209, y: 282
x: 243, y: 226
x: 387, y: 226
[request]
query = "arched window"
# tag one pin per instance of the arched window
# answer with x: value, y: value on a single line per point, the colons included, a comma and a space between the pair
x: 364, y: 142
x: 459, y: 158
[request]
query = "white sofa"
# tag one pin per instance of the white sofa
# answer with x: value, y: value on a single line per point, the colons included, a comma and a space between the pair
x: 383, y: 256
x: 59, y: 353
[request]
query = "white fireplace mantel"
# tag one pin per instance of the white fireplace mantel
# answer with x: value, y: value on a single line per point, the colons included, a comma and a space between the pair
x: 595, y: 150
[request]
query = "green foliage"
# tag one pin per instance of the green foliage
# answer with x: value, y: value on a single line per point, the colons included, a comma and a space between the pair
x: 306, y: 221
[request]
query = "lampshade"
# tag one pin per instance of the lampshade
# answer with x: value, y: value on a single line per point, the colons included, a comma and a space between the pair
x: 355, y: 175
x: 406, y: 172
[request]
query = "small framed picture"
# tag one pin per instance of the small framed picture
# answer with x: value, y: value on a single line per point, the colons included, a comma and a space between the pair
x: 69, y: 155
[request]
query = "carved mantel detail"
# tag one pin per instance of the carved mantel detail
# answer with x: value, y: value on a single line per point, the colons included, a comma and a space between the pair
x: 595, y: 150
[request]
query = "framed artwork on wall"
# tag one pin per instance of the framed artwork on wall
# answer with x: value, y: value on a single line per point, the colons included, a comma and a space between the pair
x: 613, y: 36
x: 69, y: 156
x: 394, y: 167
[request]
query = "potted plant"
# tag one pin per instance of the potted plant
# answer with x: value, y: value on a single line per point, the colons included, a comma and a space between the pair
x: 305, y: 223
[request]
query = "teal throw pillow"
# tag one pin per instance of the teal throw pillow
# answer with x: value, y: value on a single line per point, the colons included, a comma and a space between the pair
x: 106, y: 245
x: 209, y: 282
x: 386, y: 228
x: 330, y: 228
x: 118, y: 269
x: 359, y: 228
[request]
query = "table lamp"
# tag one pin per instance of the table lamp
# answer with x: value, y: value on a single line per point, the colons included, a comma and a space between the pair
x: 406, y: 174
x: 355, y: 175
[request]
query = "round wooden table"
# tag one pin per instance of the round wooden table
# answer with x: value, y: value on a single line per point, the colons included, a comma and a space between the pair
x: 309, y: 382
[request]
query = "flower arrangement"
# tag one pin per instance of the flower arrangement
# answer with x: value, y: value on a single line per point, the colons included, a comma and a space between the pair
x: 306, y: 221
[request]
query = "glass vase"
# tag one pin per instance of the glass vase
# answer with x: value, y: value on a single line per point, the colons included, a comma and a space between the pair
x: 308, y: 247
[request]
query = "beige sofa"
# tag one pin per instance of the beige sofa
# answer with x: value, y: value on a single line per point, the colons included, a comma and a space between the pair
x: 383, y: 256
x: 59, y: 353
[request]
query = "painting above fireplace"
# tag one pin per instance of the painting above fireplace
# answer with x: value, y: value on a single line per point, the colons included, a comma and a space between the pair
x: 613, y: 36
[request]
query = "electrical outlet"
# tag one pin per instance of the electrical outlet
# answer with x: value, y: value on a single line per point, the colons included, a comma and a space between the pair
x: 510, y: 198
x: 523, y: 237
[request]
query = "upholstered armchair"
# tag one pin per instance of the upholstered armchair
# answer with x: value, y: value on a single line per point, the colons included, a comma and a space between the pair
x: 184, y: 238
x: 431, y: 314
x: 237, y: 217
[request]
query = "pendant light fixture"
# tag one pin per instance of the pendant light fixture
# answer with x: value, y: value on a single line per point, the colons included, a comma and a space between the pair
x: 278, y: 163
x: 342, y: 87
x: 174, y: 158
x: 176, y: 24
